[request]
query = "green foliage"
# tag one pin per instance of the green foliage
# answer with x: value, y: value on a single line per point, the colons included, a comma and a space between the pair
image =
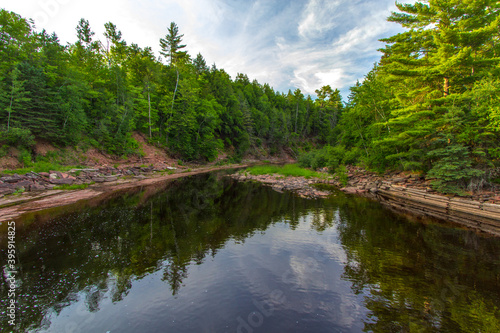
x: 25, y: 158
x: 435, y: 87
x: 431, y: 103
x: 19, y: 191
x: 4, y: 149
x: 341, y: 174
x: 18, y: 137
x: 102, y: 92
x: 329, y: 157
x: 452, y: 169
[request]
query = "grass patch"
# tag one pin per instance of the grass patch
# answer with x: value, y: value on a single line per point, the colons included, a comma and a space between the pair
x: 71, y: 187
x: 286, y: 170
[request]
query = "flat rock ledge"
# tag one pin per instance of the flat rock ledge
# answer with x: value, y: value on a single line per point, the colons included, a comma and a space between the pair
x: 298, y: 185
x: 402, y: 192
x: 413, y: 194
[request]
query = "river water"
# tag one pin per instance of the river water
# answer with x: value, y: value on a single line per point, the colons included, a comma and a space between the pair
x: 209, y: 254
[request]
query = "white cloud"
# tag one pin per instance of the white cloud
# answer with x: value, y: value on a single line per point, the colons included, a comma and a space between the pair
x: 319, y: 17
x: 288, y: 44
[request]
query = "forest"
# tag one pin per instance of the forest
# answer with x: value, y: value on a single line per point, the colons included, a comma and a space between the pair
x: 98, y: 93
x: 430, y: 105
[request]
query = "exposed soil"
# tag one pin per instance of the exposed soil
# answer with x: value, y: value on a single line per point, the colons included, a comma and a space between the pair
x: 43, y: 147
x: 92, y: 157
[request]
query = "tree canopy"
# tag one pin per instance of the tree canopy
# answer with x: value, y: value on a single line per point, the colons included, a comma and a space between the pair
x: 97, y: 93
x: 431, y: 103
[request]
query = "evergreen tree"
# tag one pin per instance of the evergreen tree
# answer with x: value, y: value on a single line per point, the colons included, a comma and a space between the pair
x: 171, y: 45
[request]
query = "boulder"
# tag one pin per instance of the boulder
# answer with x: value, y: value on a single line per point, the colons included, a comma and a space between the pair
x: 350, y: 190
x: 11, y: 179
x: 24, y: 184
x: 104, y: 179
x: 5, y: 191
x: 61, y: 181
x: 36, y: 187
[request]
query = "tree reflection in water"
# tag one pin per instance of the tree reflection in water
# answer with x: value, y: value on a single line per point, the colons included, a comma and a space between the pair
x: 413, y: 276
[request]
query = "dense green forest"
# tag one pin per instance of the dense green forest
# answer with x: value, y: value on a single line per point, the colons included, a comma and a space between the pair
x: 431, y: 104
x: 100, y: 92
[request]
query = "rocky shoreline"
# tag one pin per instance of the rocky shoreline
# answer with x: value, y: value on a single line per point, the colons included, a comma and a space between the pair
x: 35, y: 182
x: 299, y: 185
x: 403, y: 192
x: 35, y: 199
x: 411, y: 193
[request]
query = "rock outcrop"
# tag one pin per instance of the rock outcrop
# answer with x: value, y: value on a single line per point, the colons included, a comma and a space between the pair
x: 412, y: 193
x: 299, y: 185
x: 404, y: 192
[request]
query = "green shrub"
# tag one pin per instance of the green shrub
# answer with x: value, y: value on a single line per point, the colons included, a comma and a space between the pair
x: 25, y: 158
x: 4, y: 150
x: 21, y: 137
x: 328, y: 156
x: 18, y: 137
x: 341, y: 174
x: 322, y: 158
x: 352, y: 156
x: 305, y: 159
x: 453, y: 169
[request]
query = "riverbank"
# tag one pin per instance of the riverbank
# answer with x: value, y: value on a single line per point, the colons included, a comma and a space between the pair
x: 301, y: 186
x: 14, y: 205
x: 411, y: 193
x: 402, y: 192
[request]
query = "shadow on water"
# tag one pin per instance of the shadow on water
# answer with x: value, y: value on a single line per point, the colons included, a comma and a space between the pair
x: 410, y: 275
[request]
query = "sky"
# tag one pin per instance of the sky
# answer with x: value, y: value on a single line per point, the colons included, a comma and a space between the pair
x: 289, y: 44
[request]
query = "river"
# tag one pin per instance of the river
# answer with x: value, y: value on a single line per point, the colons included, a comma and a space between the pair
x: 209, y: 254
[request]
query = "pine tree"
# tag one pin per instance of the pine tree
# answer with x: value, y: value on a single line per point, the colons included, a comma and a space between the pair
x: 171, y: 45
x: 433, y: 67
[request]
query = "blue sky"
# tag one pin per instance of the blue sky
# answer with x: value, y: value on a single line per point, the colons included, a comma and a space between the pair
x: 289, y: 44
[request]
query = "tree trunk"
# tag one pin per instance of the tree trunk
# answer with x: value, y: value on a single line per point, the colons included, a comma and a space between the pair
x: 173, y: 100
x: 446, y: 87
x: 149, y: 106
x: 296, y: 116
x: 10, y: 111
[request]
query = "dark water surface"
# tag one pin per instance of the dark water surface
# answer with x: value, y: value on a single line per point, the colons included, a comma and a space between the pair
x: 208, y: 254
